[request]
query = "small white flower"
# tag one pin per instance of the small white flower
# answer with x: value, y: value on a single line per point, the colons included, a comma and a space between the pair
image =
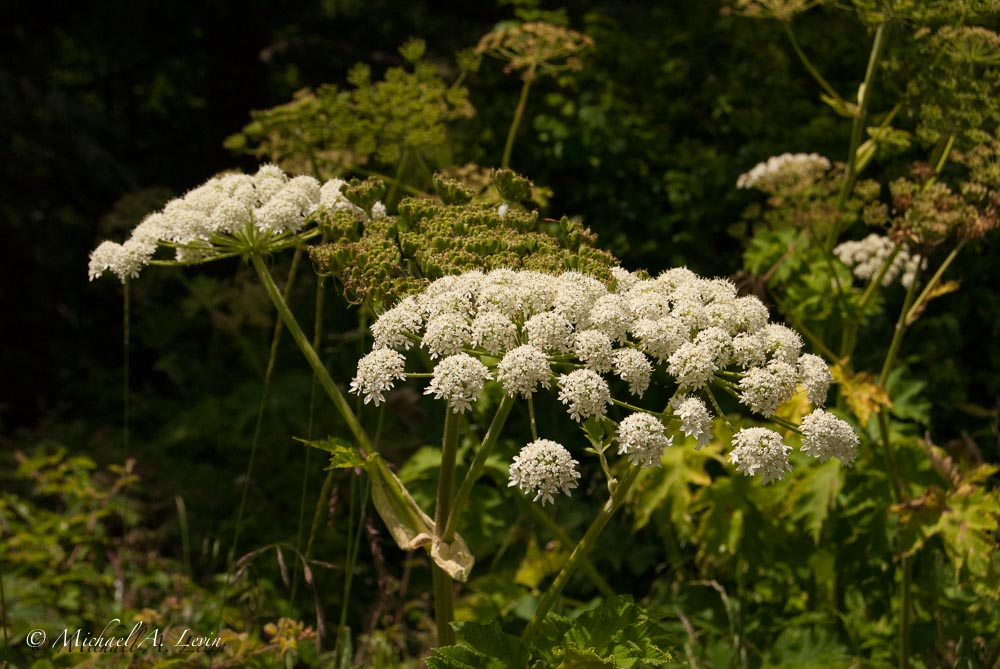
x: 377, y: 373
x: 648, y: 299
x: 502, y: 210
x: 446, y: 335
x: 759, y: 451
x: 523, y: 369
x: 675, y: 277
x: 750, y: 350
x: 610, y: 315
x: 593, y: 348
x: 493, y: 332
x: 642, y: 438
x: 782, y: 343
x: 550, y: 332
x: 764, y: 389
x: 392, y: 328
x: 624, y: 278
x: 450, y: 302
x: 825, y: 435
x: 633, y: 367
x: 378, y: 211
x: 575, y: 295
x: 696, y: 420
x: 544, y: 467
x: 815, y: 376
x: 459, y: 379
x: 585, y: 393
x: 750, y: 314
x: 694, y: 363
x: 661, y: 337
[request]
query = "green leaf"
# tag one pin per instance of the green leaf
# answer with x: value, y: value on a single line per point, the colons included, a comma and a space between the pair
x: 617, y: 633
x: 813, y: 494
x: 343, y: 455
x: 668, y: 490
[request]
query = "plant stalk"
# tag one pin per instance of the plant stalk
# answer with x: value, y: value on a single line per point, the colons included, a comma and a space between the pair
x: 581, y: 551
x: 476, y: 468
x: 444, y: 606
x: 311, y: 356
x: 508, y: 147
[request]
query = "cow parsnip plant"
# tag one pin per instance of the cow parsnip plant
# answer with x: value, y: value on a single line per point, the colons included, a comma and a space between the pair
x: 527, y: 329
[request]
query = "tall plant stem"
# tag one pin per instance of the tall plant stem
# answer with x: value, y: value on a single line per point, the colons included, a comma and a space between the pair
x: 857, y: 128
x: 325, y: 381
x: 268, y: 374
x: 911, y: 304
x: 354, y: 545
x: 477, y: 466
x: 508, y: 147
x: 126, y: 355
x: 580, y: 551
x: 317, y: 336
x: 824, y: 84
x: 444, y: 606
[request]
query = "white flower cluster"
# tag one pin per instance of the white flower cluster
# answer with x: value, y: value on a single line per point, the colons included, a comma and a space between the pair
x: 266, y: 203
x: 544, y: 467
x: 866, y: 257
x: 642, y: 438
x: 530, y: 331
x: 784, y: 171
x: 758, y: 451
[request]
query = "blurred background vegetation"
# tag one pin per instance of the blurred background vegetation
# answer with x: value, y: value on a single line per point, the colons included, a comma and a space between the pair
x: 109, y: 109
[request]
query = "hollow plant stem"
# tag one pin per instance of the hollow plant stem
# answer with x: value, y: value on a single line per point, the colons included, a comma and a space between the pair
x: 858, y: 126
x: 325, y: 380
x: 522, y: 102
x: 268, y: 374
x: 476, y: 468
x: 443, y: 595
x: 580, y: 551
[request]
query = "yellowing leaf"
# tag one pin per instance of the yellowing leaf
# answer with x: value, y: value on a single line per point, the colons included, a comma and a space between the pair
x: 862, y: 394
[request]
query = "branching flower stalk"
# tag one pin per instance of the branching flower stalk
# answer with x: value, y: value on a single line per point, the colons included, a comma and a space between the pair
x: 580, y: 553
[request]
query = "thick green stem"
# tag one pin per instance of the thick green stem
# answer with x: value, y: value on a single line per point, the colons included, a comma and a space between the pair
x: 919, y: 303
x: 508, y: 147
x: 581, y: 551
x: 555, y: 528
x: 268, y: 373
x: 311, y: 356
x: 477, y: 466
x: 857, y: 128
x: 444, y: 606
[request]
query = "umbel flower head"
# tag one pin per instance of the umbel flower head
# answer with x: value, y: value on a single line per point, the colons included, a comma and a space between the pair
x: 544, y: 467
x: 228, y: 215
x: 602, y: 346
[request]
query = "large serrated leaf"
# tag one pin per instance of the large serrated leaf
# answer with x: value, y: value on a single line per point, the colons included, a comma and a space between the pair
x: 813, y: 494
